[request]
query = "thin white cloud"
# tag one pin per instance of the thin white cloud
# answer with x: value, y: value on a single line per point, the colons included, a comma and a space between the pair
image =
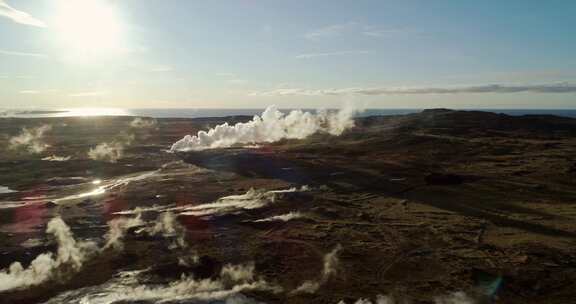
x: 25, y: 54
x: 353, y: 28
x: 30, y: 92
x: 528, y: 76
x: 495, y: 88
x: 328, y: 31
x: 19, y: 16
x: 88, y: 94
x: 373, y: 32
x: 327, y: 54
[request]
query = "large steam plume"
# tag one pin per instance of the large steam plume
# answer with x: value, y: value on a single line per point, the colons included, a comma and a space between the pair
x: 69, y: 259
x: 271, y: 126
x: 30, y: 139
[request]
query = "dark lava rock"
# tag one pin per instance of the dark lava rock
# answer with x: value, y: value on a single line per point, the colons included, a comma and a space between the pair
x: 205, y: 268
x: 444, y: 179
x: 572, y: 169
x: 325, y: 212
x: 86, y: 202
x: 65, y: 181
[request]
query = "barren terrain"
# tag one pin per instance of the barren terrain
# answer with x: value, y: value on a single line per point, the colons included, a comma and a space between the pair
x: 432, y: 207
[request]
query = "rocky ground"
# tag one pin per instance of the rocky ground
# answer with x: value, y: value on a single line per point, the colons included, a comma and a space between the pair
x: 437, y: 207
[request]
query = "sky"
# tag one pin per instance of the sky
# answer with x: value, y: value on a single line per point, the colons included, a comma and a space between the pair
x: 308, y: 54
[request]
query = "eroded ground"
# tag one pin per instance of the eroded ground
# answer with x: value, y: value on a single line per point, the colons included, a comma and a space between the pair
x: 427, y: 208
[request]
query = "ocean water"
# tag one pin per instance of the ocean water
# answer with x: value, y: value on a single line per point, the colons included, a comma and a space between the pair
x: 196, y: 113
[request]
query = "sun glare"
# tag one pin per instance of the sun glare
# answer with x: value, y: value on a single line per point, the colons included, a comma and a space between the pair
x: 86, y: 112
x: 88, y: 27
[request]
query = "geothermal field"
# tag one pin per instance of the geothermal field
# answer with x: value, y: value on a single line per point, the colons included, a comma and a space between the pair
x: 442, y: 206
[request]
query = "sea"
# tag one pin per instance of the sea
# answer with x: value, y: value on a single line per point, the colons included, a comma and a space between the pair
x: 197, y: 113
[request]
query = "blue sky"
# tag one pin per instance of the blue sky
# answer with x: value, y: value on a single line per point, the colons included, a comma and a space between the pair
x: 252, y: 53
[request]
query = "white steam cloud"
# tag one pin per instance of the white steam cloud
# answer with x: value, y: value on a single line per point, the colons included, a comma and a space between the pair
x: 69, y: 259
x: 234, y: 279
x: 117, y: 231
x: 56, y: 158
x: 30, y: 139
x: 271, y: 126
x: 139, y: 210
x: 72, y: 254
x: 283, y: 217
x: 110, y: 152
x: 331, y: 265
x: 234, y: 204
x: 380, y: 299
x: 454, y: 298
x: 142, y: 123
x: 238, y: 273
x: 168, y: 226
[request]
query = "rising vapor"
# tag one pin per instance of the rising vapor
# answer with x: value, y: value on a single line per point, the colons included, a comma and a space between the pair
x: 331, y: 265
x: 234, y: 204
x: 69, y: 258
x: 454, y: 298
x: 271, y: 126
x: 283, y: 217
x: 168, y: 226
x: 56, y: 158
x: 117, y: 230
x: 380, y: 299
x: 143, y: 123
x: 31, y: 140
x: 110, y: 152
x: 228, y: 288
x: 72, y: 254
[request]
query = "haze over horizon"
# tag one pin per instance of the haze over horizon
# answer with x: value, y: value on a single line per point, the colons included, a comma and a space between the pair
x: 250, y: 54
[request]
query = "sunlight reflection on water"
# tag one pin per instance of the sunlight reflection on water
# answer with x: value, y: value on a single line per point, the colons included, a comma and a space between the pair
x: 96, y: 112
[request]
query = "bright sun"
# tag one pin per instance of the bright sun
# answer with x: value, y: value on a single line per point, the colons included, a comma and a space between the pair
x: 88, y: 27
